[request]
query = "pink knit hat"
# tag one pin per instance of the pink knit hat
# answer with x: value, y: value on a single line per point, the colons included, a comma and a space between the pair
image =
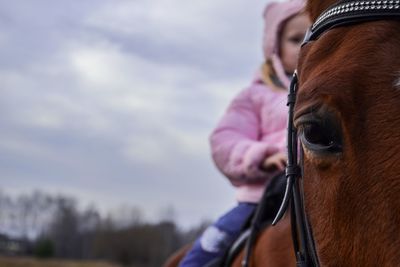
x: 275, y: 14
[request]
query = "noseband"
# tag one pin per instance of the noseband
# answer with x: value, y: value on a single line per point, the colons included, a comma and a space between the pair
x: 344, y: 13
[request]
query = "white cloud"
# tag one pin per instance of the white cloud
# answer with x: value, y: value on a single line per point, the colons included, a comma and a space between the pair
x: 123, y: 80
x: 168, y: 20
x: 42, y: 118
x: 145, y: 150
x: 224, y: 27
x: 19, y: 145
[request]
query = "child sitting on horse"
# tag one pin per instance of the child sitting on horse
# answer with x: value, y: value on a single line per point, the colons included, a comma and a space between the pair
x: 249, y: 142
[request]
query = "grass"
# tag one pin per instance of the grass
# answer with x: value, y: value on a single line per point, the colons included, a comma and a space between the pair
x: 29, y: 262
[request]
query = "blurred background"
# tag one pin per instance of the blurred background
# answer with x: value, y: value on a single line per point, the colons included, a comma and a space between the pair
x: 106, y: 108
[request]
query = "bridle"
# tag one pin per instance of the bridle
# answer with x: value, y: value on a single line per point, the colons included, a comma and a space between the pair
x: 344, y: 13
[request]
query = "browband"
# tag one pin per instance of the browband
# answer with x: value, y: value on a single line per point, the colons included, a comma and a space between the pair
x: 352, y: 12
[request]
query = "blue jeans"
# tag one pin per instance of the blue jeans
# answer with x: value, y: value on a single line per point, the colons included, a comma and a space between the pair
x: 218, y: 237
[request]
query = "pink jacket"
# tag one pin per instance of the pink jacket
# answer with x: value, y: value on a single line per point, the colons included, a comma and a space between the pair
x: 254, y: 125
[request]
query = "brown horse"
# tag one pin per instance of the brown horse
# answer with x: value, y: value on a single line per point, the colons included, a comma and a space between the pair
x: 349, y: 90
x: 348, y: 99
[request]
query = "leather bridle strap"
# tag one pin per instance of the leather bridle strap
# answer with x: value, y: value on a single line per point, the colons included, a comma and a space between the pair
x: 301, y: 232
x: 344, y: 13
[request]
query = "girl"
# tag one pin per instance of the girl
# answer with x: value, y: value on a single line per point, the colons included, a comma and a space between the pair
x: 249, y: 142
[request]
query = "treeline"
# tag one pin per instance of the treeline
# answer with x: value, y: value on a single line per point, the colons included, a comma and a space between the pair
x: 53, y: 226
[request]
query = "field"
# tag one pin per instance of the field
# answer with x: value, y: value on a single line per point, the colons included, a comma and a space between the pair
x: 28, y: 262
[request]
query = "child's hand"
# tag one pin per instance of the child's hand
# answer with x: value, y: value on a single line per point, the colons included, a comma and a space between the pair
x: 276, y: 162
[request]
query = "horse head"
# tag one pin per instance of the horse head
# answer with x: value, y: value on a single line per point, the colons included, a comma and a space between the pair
x: 347, y: 115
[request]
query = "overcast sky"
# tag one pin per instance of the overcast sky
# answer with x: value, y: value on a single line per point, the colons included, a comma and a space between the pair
x: 112, y: 101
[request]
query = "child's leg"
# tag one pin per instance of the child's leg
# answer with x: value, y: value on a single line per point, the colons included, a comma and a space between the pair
x: 218, y: 237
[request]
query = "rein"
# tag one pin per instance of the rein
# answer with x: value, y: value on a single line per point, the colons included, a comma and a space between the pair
x: 344, y: 13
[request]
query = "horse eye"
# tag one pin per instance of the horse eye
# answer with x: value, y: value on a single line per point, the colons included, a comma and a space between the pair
x: 314, y: 134
x: 320, y: 137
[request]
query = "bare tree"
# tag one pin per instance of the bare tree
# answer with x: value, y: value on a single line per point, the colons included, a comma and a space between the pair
x: 26, y: 215
x: 125, y: 216
x: 64, y: 228
x: 5, y: 208
x: 167, y: 214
